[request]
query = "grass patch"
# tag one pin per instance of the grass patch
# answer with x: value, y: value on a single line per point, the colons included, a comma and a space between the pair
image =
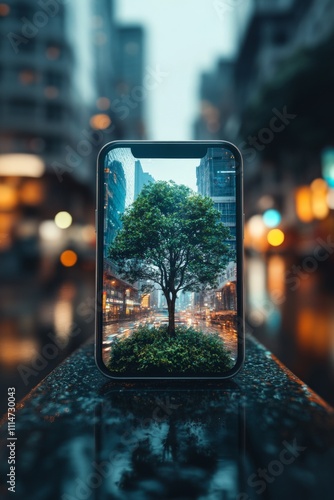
x: 152, y: 352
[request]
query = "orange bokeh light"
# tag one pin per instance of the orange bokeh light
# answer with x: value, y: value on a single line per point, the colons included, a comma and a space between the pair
x: 303, y: 204
x: 68, y: 258
x: 101, y: 121
x: 32, y: 193
x: 8, y: 197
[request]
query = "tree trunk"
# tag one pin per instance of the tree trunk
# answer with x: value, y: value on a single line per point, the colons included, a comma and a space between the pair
x: 171, y: 315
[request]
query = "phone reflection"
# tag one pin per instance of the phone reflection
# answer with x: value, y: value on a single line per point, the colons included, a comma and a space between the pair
x: 170, y: 443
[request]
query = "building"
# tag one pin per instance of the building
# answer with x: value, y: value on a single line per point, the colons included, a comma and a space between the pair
x: 141, y: 178
x: 281, y: 61
x: 128, y: 106
x: 114, y: 204
x: 216, y: 101
x: 58, y: 79
x: 121, y: 299
x: 216, y: 179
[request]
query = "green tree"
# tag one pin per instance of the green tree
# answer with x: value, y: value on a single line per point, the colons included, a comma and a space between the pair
x: 173, y: 237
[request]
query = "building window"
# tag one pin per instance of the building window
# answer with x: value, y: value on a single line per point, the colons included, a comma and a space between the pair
x: 53, y: 52
x: 28, y: 76
x: 53, y: 79
x: 227, y: 211
x: 4, y: 10
x: 54, y: 112
x: 51, y: 92
x: 28, y: 46
x: 22, y: 107
x: 53, y: 146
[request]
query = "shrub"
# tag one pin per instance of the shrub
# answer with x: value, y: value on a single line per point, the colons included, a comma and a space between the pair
x: 153, y: 352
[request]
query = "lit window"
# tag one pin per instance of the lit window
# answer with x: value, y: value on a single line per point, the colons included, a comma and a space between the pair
x: 51, y: 92
x: 4, y: 10
x: 53, y: 52
x: 28, y: 76
x: 103, y: 103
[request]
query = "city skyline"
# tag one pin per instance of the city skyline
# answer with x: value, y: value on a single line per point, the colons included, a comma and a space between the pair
x: 172, y: 107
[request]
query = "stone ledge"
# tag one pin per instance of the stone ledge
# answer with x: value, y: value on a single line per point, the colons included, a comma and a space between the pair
x: 219, y: 436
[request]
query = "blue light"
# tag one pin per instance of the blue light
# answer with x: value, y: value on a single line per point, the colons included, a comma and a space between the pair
x: 328, y: 166
x: 271, y: 218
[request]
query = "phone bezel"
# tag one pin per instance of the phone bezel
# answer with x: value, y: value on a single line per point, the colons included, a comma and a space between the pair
x: 168, y: 149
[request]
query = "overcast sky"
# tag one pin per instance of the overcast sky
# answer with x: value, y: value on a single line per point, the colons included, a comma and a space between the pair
x: 183, y: 38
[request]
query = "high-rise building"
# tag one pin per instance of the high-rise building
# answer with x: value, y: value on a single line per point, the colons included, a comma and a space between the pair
x: 59, y: 68
x: 141, y: 178
x: 128, y: 106
x: 216, y: 179
x: 114, y: 205
x: 216, y: 102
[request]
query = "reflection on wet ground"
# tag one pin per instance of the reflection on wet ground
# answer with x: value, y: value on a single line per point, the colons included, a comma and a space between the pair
x: 40, y: 327
x: 262, y: 434
x: 293, y: 315
x: 168, y: 434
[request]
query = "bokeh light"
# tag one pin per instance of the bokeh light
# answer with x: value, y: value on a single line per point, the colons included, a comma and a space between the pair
x: 272, y: 218
x: 48, y: 231
x: 330, y: 199
x: 328, y: 166
x: 319, y: 185
x: 31, y: 193
x: 63, y: 220
x: 100, y: 121
x: 303, y: 204
x: 8, y: 197
x: 103, y: 103
x: 275, y: 237
x: 4, y: 9
x: 319, y: 201
x: 256, y: 226
x: 68, y: 258
x: 20, y: 164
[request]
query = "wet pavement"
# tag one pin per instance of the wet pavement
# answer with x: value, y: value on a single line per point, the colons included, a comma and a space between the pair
x: 40, y: 326
x: 294, y: 318
x: 125, y: 328
x: 264, y: 434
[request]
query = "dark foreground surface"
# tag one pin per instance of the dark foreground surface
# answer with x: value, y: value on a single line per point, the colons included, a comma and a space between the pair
x: 263, y: 435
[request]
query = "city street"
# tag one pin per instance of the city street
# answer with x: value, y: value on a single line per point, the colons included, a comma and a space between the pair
x: 125, y: 328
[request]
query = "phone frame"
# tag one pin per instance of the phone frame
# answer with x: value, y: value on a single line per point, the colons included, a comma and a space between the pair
x: 169, y: 149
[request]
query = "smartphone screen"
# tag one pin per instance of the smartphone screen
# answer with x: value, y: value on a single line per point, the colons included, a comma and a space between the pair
x: 169, y: 260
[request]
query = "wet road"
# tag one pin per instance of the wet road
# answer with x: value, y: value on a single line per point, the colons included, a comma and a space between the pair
x: 293, y: 316
x: 125, y: 329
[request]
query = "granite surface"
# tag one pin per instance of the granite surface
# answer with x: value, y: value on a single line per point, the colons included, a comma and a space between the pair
x: 264, y: 434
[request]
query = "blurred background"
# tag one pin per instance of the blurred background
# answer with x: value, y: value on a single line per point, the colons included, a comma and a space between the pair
x: 75, y: 75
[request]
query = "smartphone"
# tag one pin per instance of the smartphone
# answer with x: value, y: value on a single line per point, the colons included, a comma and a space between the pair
x: 169, y: 274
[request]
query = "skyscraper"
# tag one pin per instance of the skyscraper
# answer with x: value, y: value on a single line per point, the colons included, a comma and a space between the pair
x: 216, y: 179
x: 141, y: 178
x: 59, y: 77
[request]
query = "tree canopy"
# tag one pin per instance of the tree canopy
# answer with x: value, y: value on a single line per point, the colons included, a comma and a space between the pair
x: 173, y: 237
